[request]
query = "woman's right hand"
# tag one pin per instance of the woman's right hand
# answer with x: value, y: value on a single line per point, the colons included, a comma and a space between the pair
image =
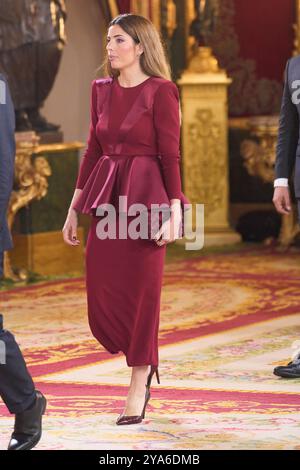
x: 70, y: 228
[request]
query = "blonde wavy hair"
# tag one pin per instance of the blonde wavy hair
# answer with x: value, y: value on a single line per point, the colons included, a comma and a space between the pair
x: 154, y: 60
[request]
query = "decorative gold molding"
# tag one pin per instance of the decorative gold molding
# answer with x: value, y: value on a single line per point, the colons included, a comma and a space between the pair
x: 203, y: 62
x: 259, y: 160
x: 205, y: 151
x: 205, y: 136
x: 113, y: 7
x: 259, y: 157
x: 53, y: 148
x: 155, y: 10
x: 239, y: 123
x: 30, y: 183
x: 171, y: 18
x: 140, y: 7
x: 189, y: 40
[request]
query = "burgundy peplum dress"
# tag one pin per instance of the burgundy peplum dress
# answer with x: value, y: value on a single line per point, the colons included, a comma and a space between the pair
x: 132, y: 151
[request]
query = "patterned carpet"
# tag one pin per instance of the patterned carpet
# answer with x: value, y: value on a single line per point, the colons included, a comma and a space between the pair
x: 226, y: 320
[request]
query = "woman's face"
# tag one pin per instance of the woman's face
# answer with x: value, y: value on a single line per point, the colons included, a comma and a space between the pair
x: 121, y: 49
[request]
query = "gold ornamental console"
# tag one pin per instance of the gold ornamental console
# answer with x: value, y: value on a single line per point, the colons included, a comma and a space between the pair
x: 259, y: 159
x: 43, y: 186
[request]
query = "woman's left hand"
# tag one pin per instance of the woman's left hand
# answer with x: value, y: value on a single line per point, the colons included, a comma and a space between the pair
x: 170, y: 229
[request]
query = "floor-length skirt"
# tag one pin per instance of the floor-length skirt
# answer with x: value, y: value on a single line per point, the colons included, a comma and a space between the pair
x: 123, y: 282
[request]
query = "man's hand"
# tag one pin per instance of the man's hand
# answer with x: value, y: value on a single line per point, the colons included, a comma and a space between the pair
x: 282, y: 200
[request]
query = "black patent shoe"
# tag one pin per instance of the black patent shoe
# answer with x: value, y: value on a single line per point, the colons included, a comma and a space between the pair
x: 28, y: 425
x: 290, y: 371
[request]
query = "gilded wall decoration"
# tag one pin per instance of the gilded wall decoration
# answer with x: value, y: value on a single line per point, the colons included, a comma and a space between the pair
x: 204, y: 164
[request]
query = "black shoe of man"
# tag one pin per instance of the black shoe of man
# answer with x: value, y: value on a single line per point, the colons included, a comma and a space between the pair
x: 290, y: 371
x: 28, y: 425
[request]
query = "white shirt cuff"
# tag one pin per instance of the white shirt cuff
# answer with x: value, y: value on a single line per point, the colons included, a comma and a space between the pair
x: 281, y: 182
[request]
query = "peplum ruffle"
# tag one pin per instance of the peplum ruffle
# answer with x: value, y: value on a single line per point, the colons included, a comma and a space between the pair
x: 138, y: 177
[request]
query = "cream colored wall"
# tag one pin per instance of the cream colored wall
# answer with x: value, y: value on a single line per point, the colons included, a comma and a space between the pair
x: 69, y: 101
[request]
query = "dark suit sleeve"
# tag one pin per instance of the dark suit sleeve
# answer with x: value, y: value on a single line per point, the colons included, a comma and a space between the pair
x: 288, y: 133
x: 7, y: 148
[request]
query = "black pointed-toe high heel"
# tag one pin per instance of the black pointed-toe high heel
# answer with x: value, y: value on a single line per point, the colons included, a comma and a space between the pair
x: 125, y: 419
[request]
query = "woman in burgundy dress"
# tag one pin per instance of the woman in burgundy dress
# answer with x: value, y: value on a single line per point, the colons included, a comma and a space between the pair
x: 132, y: 155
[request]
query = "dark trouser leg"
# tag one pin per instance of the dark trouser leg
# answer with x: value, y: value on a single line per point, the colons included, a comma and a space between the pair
x: 16, y: 386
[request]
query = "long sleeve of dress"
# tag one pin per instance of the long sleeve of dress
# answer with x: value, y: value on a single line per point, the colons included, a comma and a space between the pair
x: 167, y: 128
x: 94, y: 149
